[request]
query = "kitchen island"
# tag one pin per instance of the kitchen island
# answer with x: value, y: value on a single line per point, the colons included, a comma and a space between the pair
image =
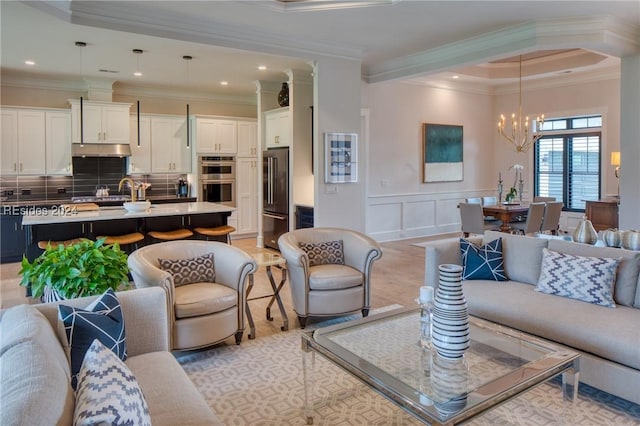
x: 59, y: 224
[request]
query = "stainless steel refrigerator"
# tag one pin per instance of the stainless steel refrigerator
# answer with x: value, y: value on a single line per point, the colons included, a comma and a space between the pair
x: 275, y: 195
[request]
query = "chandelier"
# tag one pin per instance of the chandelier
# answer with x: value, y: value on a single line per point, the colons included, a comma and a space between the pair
x: 520, y: 136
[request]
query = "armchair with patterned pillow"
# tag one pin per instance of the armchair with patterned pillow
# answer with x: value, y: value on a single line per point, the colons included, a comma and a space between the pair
x: 205, y: 286
x: 329, y: 271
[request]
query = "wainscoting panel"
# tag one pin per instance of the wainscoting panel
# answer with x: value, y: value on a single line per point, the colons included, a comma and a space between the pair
x: 449, y: 213
x: 396, y: 217
x: 386, y: 218
x: 402, y: 216
x: 419, y: 215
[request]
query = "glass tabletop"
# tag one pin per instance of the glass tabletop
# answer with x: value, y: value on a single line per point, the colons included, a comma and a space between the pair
x: 385, y: 352
x: 266, y: 257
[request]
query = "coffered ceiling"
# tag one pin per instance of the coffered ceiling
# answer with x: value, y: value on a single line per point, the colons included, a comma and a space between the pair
x: 420, y: 41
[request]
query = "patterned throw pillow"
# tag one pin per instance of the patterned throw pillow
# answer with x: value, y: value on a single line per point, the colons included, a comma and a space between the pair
x: 482, y: 263
x: 102, y: 320
x: 589, y: 279
x: 188, y: 271
x: 326, y: 253
x: 108, y: 393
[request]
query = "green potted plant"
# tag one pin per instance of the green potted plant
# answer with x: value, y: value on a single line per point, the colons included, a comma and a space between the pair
x: 82, y: 269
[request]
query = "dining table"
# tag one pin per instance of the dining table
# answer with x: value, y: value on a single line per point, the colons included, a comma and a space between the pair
x: 506, y: 212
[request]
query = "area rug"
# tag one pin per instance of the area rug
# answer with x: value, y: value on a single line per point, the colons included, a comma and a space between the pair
x: 260, y: 382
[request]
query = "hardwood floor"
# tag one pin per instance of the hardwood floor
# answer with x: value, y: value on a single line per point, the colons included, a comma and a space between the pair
x: 395, y: 278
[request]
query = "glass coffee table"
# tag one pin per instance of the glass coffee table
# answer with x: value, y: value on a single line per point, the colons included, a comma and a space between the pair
x: 384, y: 352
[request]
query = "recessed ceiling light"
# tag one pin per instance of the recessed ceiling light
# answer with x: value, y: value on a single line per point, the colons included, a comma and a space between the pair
x: 224, y: 83
x: 262, y: 67
x: 455, y: 77
x: 137, y: 74
x: 29, y: 62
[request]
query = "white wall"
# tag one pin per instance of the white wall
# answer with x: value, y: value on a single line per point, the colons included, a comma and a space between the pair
x: 399, y: 205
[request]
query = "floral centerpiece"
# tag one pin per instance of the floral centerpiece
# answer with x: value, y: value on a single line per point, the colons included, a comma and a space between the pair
x: 517, y: 182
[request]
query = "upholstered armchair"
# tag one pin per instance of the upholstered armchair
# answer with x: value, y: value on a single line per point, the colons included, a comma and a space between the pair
x: 202, y: 311
x: 329, y: 289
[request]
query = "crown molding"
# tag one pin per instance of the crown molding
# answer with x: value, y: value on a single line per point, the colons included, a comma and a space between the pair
x: 554, y: 82
x: 22, y: 82
x: 43, y: 83
x: 603, y: 34
x: 126, y: 16
x: 317, y: 5
x: 150, y: 92
x: 551, y: 82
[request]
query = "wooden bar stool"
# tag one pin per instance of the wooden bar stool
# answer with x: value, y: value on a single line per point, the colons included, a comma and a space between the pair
x: 43, y: 244
x: 127, y: 240
x: 218, y: 231
x: 176, y: 234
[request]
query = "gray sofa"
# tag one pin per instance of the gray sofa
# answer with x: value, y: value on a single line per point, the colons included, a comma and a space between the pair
x: 35, y: 373
x: 607, y: 338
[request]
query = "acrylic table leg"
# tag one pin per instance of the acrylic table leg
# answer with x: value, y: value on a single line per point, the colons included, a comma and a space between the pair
x: 570, y: 382
x: 308, y: 367
x: 252, y: 326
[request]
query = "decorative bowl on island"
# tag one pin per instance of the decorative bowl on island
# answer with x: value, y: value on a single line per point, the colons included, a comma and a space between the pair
x: 137, y: 206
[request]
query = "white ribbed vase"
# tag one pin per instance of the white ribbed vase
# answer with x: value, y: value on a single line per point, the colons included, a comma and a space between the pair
x: 50, y: 294
x: 450, y: 318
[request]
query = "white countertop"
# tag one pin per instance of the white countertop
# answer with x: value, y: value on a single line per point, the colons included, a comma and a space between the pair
x: 45, y: 217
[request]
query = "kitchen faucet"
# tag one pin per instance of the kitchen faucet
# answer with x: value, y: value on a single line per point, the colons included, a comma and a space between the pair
x: 131, y: 185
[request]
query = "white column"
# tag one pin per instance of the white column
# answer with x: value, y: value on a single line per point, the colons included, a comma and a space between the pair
x: 630, y: 143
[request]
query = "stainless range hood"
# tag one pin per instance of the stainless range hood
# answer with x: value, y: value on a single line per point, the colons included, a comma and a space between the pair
x: 100, y: 150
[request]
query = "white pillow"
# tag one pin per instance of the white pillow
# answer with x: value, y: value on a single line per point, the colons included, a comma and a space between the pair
x: 108, y: 392
x: 590, y: 279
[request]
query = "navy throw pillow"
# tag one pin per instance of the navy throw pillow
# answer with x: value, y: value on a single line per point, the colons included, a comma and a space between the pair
x: 482, y: 263
x: 102, y: 320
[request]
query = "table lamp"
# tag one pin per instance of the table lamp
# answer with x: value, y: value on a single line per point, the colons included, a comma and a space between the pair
x: 615, y: 161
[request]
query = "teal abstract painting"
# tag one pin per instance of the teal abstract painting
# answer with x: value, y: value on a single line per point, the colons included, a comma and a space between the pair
x: 443, y: 156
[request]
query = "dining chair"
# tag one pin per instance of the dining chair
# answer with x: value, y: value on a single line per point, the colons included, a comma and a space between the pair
x: 472, y: 219
x: 538, y: 199
x: 489, y: 201
x: 474, y: 200
x: 551, y: 220
x: 534, y: 219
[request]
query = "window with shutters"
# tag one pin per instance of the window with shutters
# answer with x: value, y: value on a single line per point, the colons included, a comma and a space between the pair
x: 567, y: 161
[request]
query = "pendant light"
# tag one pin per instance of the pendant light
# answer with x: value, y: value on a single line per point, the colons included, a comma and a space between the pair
x: 138, y: 52
x: 187, y: 58
x: 81, y: 44
x: 138, y: 73
x: 520, y: 136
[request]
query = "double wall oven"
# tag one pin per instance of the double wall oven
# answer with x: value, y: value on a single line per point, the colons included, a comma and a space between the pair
x: 217, y: 176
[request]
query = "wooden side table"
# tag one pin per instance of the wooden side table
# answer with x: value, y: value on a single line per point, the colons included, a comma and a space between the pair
x: 603, y: 214
x: 267, y: 259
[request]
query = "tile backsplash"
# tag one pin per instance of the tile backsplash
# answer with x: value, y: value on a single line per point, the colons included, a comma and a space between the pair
x: 87, y: 174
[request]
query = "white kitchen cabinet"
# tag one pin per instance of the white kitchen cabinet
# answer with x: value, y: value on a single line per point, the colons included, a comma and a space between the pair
x: 23, y: 142
x: 247, y: 195
x: 216, y: 136
x: 58, y: 143
x: 247, y: 139
x: 169, y: 150
x: 104, y: 122
x: 277, y: 128
x: 140, y: 160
